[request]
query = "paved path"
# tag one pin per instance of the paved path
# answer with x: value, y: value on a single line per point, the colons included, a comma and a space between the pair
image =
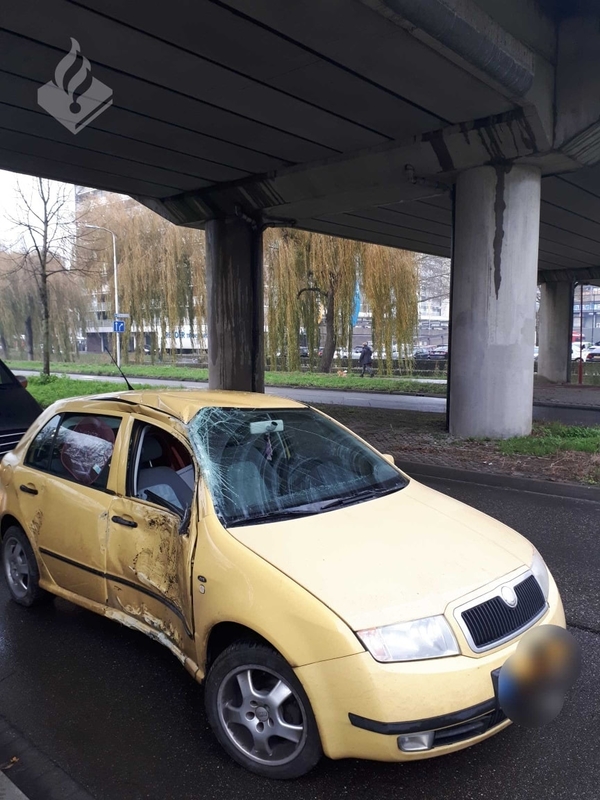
x: 123, y: 718
x: 309, y: 395
x: 566, y: 404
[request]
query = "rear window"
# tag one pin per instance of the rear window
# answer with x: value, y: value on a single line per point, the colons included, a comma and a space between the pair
x: 78, y: 447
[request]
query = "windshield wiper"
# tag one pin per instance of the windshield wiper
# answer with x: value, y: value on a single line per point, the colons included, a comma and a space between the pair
x: 358, y: 497
x: 273, y: 516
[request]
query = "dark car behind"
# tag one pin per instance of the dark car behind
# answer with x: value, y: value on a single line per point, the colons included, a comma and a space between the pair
x: 18, y: 410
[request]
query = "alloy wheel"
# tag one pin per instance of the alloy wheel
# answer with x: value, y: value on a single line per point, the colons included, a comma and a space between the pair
x: 16, y: 567
x: 262, y: 715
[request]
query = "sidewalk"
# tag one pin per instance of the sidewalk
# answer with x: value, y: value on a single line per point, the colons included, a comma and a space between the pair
x: 30, y: 773
x: 8, y: 791
x: 566, y: 395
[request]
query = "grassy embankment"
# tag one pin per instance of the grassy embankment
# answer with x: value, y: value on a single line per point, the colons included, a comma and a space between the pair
x: 47, y: 391
x: 552, y: 438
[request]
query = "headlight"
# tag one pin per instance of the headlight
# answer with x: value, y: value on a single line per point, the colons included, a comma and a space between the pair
x: 431, y: 637
x: 540, y: 572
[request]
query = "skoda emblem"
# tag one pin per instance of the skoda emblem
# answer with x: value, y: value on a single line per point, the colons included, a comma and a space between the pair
x: 509, y: 596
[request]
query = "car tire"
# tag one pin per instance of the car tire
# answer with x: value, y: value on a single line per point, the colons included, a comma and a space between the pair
x: 251, y: 690
x: 20, y: 568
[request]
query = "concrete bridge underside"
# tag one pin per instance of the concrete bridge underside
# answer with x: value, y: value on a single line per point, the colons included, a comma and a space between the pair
x: 468, y: 129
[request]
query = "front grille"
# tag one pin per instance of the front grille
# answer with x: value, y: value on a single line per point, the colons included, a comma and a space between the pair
x: 494, y: 619
x: 8, y: 441
x: 469, y: 729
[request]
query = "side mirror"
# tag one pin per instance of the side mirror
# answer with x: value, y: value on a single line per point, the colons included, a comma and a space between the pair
x: 22, y: 380
x: 389, y: 458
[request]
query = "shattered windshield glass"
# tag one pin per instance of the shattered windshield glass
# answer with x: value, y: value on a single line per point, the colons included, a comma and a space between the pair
x: 265, y: 465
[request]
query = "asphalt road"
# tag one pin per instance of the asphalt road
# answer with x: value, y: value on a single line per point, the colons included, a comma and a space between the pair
x: 570, y: 415
x: 122, y: 717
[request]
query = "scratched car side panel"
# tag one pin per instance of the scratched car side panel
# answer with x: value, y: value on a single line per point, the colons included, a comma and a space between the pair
x: 148, y: 570
x: 149, y: 566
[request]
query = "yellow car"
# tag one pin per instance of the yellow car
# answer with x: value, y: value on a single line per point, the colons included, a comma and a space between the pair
x: 329, y: 603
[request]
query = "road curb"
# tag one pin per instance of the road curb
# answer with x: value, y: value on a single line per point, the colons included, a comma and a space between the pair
x: 571, y: 406
x: 33, y: 773
x: 574, y: 491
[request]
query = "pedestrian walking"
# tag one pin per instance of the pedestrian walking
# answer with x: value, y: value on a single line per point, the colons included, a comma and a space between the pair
x: 365, y: 360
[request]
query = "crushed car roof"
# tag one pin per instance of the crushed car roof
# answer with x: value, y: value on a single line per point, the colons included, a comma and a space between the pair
x: 185, y: 403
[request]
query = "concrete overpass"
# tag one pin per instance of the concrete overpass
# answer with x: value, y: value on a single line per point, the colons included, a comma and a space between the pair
x: 464, y: 128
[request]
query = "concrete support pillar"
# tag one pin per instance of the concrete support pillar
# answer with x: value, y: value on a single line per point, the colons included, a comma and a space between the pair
x: 235, y: 305
x: 496, y: 236
x: 556, y: 306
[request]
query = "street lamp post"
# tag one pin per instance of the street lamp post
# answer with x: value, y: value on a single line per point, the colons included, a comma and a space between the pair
x: 114, y: 239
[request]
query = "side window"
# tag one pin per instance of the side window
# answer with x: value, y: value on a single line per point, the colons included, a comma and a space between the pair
x: 83, y: 447
x: 39, y: 451
x: 161, y: 469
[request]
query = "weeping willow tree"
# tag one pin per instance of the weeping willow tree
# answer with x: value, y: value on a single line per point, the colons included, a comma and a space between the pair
x: 312, y: 278
x: 161, y: 273
x: 335, y: 264
x: 390, y: 285
x: 286, y: 265
x: 19, y: 308
x: 21, y: 315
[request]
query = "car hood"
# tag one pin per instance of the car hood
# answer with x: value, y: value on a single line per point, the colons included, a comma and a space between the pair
x: 397, y: 558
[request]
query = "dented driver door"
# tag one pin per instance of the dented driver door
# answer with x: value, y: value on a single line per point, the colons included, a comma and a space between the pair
x: 148, y: 569
x: 151, y: 540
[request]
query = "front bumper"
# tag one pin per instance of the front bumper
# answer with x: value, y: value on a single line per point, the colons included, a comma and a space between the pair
x: 362, y: 706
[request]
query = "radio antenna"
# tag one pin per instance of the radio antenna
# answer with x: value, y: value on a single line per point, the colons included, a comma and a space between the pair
x: 106, y: 350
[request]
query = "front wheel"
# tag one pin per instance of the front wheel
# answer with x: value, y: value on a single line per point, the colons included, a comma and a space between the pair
x: 20, y: 568
x: 260, y: 713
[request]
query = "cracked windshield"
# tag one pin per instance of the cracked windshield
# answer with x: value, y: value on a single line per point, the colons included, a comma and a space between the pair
x: 263, y: 466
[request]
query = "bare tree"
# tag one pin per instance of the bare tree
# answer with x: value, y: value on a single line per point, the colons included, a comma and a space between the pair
x: 46, y: 233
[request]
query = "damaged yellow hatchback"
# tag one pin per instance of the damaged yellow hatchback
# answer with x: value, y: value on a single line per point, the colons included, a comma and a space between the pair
x: 329, y: 603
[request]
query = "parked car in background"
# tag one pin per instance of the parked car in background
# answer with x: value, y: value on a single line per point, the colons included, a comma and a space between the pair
x: 421, y: 352
x: 329, y: 603
x: 579, y: 350
x: 339, y: 352
x: 439, y: 353
x: 592, y: 355
x: 18, y: 409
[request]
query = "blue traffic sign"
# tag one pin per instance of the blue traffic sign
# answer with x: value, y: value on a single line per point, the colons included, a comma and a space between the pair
x: 119, y: 326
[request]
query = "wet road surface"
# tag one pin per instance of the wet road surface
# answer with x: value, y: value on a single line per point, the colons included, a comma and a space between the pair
x: 119, y: 714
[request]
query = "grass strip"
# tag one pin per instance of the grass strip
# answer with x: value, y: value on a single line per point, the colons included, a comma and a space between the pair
x: 553, y: 437
x: 47, y: 390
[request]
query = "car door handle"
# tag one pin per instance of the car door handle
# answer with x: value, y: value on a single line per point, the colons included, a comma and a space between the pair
x: 122, y: 521
x: 28, y: 489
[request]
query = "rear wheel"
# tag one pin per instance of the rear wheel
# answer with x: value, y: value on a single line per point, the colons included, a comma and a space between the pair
x: 20, y: 568
x: 260, y: 713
